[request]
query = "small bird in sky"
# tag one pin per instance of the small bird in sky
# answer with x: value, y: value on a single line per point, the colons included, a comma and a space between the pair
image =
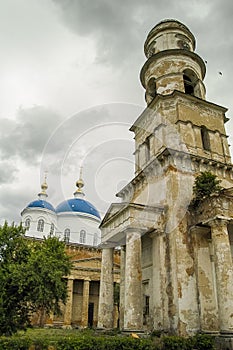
x: 220, y: 73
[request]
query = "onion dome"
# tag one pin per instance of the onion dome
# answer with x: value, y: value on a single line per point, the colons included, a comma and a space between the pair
x: 41, y: 201
x: 78, y: 204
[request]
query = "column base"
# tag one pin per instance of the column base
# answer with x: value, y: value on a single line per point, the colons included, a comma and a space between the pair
x: 227, y: 334
x: 67, y: 326
x: 224, y: 341
x: 129, y: 331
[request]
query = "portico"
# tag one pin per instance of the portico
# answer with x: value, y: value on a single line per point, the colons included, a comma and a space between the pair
x: 128, y: 233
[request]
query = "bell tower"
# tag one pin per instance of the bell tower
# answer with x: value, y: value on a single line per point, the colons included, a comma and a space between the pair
x: 176, y: 258
x: 171, y: 62
x: 177, y: 114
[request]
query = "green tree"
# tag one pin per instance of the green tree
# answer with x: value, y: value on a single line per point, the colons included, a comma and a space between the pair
x: 47, y: 267
x: 31, y: 277
x: 14, y: 254
x: 205, y: 184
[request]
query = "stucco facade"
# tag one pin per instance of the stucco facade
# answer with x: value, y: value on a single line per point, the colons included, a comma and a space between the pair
x: 83, y: 284
x: 176, y: 261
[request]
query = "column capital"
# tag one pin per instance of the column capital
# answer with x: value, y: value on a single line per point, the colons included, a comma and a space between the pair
x: 70, y: 278
x: 135, y: 229
x: 156, y: 233
x: 217, y: 221
x: 87, y: 279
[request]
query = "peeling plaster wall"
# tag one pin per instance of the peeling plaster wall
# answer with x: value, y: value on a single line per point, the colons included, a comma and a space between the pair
x: 206, y: 282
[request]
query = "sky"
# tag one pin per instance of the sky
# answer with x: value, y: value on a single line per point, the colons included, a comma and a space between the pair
x: 70, y: 89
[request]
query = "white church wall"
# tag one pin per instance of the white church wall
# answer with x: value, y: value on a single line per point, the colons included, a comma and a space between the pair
x: 34, y: 215
x: 83, y: 228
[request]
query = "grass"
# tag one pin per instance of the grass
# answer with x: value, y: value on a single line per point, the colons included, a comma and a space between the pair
x: 53, y: 333
x: 89, y: 339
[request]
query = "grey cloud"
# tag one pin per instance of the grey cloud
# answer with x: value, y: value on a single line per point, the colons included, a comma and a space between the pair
x: 119, y: 27
x: 26, y: 136
x: 12, y: 202
x: 90, y: 138
x: 7, y: 172
x: 107, y: 22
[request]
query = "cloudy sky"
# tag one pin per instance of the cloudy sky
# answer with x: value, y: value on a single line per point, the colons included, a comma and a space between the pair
x: 69, y: 89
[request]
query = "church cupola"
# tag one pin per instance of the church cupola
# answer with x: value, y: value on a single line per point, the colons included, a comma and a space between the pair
x: 44, y: 187
x: 171, y: 62
x: 80, y: 184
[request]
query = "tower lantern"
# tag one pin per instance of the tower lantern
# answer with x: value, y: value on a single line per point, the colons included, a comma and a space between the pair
x: 171, y: 62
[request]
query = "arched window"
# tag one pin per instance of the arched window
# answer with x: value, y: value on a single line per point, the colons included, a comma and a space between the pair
x: 82, y: 236
x: 52, y: 229
x: 95, y: 239
x: 40, y: 225
x: 205, y: 138
x: 67, y: 235
x: 190, y: 82
x: 151, y: 88
x: 147, y: 149
x: 27, y: 223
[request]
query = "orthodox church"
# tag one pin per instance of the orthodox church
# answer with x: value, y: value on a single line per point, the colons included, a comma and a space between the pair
x: 176, y: 259
x: 75, y: 220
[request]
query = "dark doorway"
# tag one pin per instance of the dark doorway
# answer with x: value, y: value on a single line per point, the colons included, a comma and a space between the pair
x: 90, y: 314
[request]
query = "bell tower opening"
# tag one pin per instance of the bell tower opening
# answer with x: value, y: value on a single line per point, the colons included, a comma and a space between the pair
x: 151, y: 92
x: 190, y: 82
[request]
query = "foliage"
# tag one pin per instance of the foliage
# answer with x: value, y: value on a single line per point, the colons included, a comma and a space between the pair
x: 205, y: 184
x: 198, y: 342
x: 89, y: 339
x: 31, y: 275
x: 175, y: 343
x: 202, y: 341
x: 48, y: 264
x: 14, y: 254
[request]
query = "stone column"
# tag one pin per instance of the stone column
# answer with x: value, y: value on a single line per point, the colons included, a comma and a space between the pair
x: 133, y: 317
x: 204, y: 269
x: 224, y: 273
x: 159, y: 278
x: 105, y: 314
x: 86, y: 285
x: 69, y: 303
x: 122, y: 287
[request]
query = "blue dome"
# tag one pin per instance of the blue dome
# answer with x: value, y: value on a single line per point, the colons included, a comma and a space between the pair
x: 77, y: 205
x: 39, y: 203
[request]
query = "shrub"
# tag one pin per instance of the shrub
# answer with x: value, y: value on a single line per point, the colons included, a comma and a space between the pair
x: 84, y: 341
x: 14, y: 344
x: 203, y: 341
x: 205, y: 184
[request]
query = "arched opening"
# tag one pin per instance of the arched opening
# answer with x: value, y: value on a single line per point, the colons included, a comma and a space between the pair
x: 147, y: 149
x: 52, y: 229
x: 40, y: 225
x: 205, y: 138
x: 151, y: 88
x: 67, y: 235
x: 27, y: 224
x: 190, y: 82
x: 82, y: 236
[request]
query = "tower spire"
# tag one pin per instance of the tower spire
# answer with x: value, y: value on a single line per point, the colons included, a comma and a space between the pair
x: 80, y: 184
x: 44, y: 187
